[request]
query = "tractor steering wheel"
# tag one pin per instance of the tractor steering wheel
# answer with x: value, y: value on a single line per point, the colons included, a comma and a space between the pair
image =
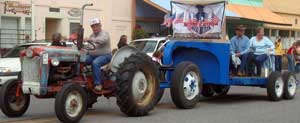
x: 89, y: 46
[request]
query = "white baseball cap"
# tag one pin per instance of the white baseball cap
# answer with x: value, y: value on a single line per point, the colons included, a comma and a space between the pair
x: 95, y: 21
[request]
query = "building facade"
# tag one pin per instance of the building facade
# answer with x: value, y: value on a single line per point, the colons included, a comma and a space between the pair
x: 50, y: 16
x: 290, y: 11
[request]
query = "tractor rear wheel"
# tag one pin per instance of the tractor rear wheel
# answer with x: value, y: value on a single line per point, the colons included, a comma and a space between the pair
x: 186, y: 85
x: 290, y: 85
x: 11, y: 104
x: 137, y: 85
x: 71, y: 103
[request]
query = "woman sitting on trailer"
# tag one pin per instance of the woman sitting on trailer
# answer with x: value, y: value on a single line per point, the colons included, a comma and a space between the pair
x: 260, y: 49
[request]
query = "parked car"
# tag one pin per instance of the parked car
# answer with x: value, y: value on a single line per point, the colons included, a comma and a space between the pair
x: 149, y: 45
x: 10, y: 64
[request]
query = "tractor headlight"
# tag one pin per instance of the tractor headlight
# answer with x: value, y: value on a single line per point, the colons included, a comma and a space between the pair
x: 29, y: 53
x: 55, y: 62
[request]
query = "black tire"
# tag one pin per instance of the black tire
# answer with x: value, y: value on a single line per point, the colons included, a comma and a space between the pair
x: 177, y: 86
x: 8, y: 94
x: 207, y: 91
x: 272, y: 87
x: 137, y: 64
x: 61, y: 99
x: 159, y: 95
x: 290, y: 85
x: 221, y: 90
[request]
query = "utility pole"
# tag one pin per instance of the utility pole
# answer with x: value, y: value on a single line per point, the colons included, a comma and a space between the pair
x: 33, y: 35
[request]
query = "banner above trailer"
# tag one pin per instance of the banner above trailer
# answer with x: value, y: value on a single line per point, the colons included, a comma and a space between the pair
x: 197, y: 21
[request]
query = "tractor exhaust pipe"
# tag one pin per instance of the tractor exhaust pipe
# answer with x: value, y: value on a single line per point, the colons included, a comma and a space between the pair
x: 81, y: 30
x: 80, y: 35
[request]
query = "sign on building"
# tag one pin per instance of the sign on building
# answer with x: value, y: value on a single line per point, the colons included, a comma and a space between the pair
x: 16, y: 7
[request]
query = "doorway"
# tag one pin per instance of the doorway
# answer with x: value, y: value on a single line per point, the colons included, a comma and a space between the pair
x: 53, y: 25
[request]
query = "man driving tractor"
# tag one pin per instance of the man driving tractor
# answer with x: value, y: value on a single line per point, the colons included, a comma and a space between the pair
x: 102, y: 53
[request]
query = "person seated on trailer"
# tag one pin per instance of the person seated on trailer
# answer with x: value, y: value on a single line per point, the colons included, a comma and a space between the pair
x: 102, y: 53
x: 239, y: 45
x: 260, y: 49
x: 56, y: 40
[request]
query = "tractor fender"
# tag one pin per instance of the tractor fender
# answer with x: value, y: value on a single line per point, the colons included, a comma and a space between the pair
x: 120, y: 56
x: 212, y: 58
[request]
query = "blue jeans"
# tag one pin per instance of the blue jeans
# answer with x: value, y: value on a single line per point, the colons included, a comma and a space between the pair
x: 97, y: 62
x: 291, y: 65
x: 278, y: 62
x: 258, y: 60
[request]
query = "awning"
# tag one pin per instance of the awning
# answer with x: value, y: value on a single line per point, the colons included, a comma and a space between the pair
x: 163, y: 5
x: 233, y: 10
x: 257, y: 13
x: 272, y: 26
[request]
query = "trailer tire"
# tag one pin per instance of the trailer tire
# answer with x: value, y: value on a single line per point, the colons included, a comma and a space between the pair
x: 275, y: 86
x: 8, y: 94
x: 186, y: 85
x: 207, y: 91
x: 73, y: 97
x: 137, y: 85
x: 290, y: 85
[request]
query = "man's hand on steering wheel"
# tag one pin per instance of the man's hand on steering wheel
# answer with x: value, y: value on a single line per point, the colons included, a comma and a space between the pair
x: 90, y: 45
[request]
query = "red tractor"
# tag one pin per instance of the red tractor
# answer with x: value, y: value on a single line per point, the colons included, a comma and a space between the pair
x: 60, y: 73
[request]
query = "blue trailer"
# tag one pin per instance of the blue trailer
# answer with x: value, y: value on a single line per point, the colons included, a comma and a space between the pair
x: 201, y: 67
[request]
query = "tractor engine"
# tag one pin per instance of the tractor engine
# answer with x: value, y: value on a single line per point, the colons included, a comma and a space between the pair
x: 62, y: 72
x: 46, y: 65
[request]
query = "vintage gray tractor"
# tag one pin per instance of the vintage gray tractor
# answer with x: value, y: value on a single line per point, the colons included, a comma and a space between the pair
x: 60, y: 73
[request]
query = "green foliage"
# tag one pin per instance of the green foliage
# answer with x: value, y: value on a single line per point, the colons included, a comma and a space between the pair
x: 139, y: 33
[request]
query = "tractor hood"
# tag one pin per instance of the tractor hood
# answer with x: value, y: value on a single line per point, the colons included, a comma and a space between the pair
x: 58, y: 52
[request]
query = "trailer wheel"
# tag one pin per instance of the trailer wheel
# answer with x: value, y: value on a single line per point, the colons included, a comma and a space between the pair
x: 275, y: 86
x: 70, y: 103
x: 137, y: 85
x: 290, y: 85
x: 186, y: 85
x: 11, y: 104
x: 207, y: 91
x: 221, y: 90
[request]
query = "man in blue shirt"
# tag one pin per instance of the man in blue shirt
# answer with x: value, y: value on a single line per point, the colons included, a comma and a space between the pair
x: 239, y: 45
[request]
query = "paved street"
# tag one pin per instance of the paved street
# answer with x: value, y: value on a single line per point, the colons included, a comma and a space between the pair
x: 242, y: 105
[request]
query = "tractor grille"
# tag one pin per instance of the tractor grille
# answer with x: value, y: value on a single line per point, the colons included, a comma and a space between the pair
x: 30, y: 69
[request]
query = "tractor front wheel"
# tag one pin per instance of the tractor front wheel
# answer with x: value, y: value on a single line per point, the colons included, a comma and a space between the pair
x: 12, y: 102
x: 71, y: 103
